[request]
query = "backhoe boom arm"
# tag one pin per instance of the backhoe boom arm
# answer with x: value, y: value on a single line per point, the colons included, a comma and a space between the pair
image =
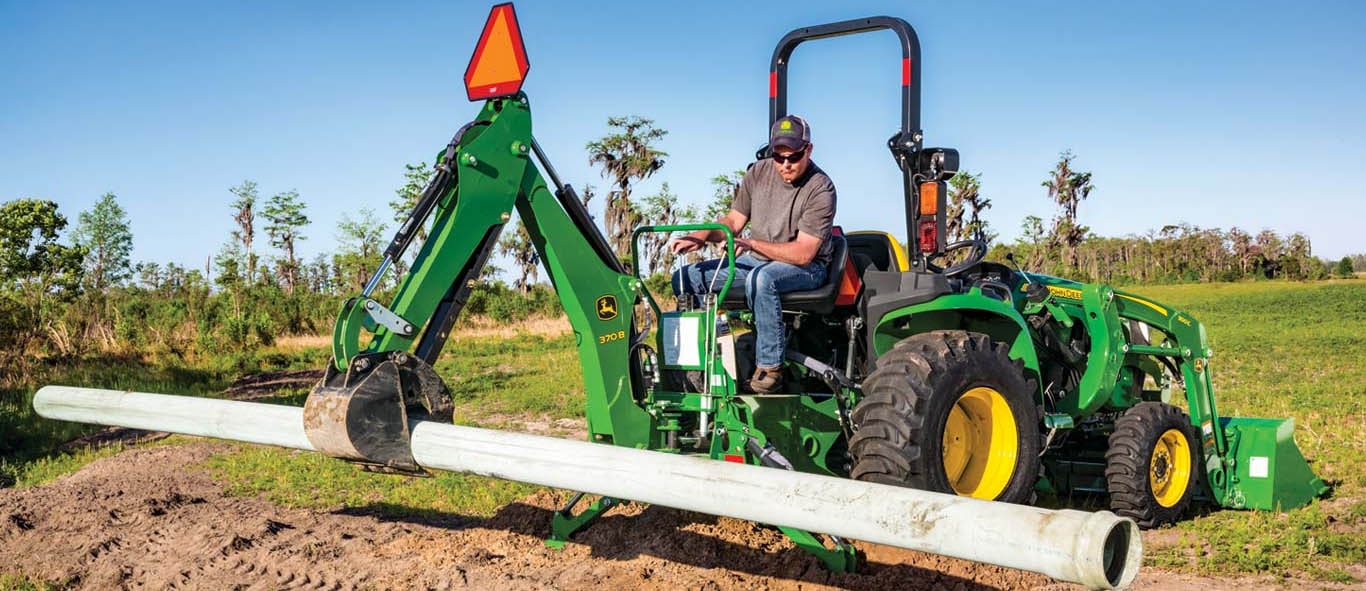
x: 482, y: 175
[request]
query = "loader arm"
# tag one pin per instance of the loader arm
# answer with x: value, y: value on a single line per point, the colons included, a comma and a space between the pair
x: 1247, y: 462
x: 383, y: 354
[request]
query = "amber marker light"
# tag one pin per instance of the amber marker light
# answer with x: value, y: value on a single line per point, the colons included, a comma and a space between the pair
x: 929, y: 198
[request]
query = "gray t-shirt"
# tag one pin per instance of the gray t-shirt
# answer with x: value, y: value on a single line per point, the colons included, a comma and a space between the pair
x: 777, y: 210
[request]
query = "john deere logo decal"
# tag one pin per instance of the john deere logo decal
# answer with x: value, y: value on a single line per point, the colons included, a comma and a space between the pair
x: 785, y: 125
x: 607, y: 307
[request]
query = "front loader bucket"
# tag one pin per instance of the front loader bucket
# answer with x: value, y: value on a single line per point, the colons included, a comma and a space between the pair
x: 1270, y: 472
x: 362, y: 414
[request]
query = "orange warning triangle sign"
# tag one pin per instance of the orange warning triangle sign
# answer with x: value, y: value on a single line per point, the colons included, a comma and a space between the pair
x: 499, y: 63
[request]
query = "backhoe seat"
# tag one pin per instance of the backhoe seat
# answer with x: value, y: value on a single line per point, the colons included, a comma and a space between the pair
x: 820, y: 300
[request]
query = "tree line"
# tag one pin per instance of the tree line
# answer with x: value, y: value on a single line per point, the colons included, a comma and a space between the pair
x: 70, y: 291
x: 1178, y: 252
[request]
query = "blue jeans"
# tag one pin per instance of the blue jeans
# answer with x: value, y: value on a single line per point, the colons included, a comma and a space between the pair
x: 761, y: 281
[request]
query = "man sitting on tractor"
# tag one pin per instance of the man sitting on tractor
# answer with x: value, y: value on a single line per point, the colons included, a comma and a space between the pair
x: 789, y: 205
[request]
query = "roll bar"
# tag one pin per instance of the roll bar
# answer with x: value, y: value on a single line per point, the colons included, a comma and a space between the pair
x: 910, y: 69
x: 906, y: 144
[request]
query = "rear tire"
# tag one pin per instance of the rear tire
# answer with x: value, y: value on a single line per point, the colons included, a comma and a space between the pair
x: 1151, y: 466
x: 950, y: 412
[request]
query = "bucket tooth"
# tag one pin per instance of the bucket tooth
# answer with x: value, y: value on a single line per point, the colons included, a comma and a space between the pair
x: 363, y: 414
x: 1270, y: 472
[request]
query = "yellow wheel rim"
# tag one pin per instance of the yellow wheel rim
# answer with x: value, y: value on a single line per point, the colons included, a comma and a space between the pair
x: 1169, y: 470
x: 980, y: 444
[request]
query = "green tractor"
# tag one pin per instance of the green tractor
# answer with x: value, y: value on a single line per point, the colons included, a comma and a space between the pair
x: 934, y: 368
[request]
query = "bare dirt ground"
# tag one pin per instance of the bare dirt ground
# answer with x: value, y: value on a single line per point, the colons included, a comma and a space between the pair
x: 144, y: 519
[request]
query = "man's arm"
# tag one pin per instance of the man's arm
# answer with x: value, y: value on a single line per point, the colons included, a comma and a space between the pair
x: 733, y: 219
x: 799, y: 252
x: 693, y: 240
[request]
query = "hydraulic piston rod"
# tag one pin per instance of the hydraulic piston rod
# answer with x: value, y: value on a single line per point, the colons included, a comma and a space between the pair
x: 1099, y: 550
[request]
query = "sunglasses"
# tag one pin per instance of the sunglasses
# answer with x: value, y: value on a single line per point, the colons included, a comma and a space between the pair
x: 793, y: 157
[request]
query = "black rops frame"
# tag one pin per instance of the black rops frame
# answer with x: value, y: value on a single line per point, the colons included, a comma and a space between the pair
x: 906, y: 144
x: 910, y: 50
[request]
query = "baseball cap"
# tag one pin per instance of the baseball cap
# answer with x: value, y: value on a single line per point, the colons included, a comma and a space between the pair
x: 790, y: 131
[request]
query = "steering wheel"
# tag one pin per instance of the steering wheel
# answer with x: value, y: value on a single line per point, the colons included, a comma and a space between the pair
x: 979, y: 252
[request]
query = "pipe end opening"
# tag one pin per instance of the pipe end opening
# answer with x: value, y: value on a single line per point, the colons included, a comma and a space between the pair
x: 1123, y: 553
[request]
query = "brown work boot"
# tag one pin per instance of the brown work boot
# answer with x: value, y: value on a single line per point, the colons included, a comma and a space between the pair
x: 766, y: 380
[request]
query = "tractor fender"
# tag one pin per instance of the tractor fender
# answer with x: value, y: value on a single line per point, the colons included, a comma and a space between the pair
x: 973, y: 312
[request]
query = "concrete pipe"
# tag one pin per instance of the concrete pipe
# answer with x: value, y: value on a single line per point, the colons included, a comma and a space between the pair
x: 1099, y: 550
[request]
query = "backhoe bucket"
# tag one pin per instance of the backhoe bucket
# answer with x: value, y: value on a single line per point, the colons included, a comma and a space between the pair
x: 1271, y: 474
x: 362, y: 415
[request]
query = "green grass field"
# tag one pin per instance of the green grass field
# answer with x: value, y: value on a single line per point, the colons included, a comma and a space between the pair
x: 27, y: 441
x: 1280, y: 350
x: 1284, y: 350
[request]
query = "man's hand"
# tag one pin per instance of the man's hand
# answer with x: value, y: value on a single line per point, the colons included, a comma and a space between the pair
x: 685, y: 244
x: 743, y: 245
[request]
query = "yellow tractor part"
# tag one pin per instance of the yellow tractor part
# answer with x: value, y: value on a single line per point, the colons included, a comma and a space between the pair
x: 981, y: 442
x: 1169, y: 469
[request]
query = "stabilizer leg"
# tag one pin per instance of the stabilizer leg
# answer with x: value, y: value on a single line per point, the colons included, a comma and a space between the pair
x: 565, y: 522
x: 843, y: 558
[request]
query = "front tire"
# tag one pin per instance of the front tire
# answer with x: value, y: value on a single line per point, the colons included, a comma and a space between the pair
x: 1151, y: 465
x: 950, y: 412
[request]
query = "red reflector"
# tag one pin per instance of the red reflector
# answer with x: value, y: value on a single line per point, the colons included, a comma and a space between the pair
x: 850, y: 284
x: 929, y: 236
x: 772, y: 84
x: 499, y: 63
x: 735, y: 458
x: 905, y: 71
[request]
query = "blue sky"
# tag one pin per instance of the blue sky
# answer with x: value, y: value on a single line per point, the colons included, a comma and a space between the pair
x: 1218, y: 115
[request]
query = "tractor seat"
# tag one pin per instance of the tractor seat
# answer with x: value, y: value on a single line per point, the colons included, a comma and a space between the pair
x: 820, y: 300
x: 872, y: 251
